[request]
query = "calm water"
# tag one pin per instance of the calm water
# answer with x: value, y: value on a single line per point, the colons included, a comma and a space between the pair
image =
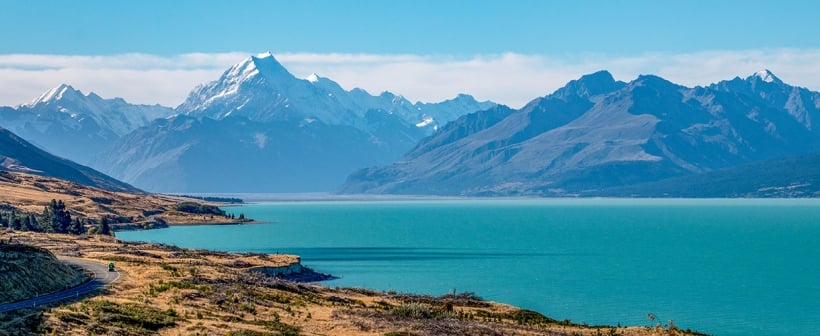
x: 725, y: 267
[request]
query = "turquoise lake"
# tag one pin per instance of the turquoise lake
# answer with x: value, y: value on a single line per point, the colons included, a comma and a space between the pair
x: 723, y: 267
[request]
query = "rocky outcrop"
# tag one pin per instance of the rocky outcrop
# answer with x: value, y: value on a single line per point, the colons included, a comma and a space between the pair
x: 293, y: 272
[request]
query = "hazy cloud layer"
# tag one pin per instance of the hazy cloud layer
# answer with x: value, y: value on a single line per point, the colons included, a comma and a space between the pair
x: 509, y: 78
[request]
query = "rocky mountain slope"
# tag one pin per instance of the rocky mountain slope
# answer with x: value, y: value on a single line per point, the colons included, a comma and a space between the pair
x: 597, y: 133
x: 238, y: 155
x: 791, y: 176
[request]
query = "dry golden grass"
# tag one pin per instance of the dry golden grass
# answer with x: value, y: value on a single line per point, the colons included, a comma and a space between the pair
x: 174, y: 291
x: 30, y: 193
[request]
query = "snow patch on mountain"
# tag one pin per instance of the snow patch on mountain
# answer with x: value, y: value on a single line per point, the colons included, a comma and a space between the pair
x: 426, y: 121
x: 767, y: 76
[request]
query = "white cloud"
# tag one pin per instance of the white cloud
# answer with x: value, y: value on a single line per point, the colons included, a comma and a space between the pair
x: 508, y: 78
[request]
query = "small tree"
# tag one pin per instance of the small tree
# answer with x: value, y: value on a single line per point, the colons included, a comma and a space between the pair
x: 63, y: 217
x: 30, y: 224
x: 48, y: 217
x: 16, y: 223
x: 105, y: 228
x: 55, y: 217
x: 76, y: 227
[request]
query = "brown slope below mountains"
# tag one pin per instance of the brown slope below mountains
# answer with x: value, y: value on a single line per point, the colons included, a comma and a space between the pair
x: 30, y: 193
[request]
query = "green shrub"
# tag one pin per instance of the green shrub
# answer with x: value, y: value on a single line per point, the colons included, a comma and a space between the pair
x: 524, y: 316
x: 131, y: 315
x: 412, y: 310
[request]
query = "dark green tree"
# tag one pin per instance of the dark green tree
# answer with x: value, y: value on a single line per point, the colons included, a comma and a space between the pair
x: 55, y: 217
x: 16, y: 223
x: 105, y: 228
x: 63, y: 217
x: 30, y: 223
x: 47, y: 218
x: 25, y: 224
x: 76, y: 227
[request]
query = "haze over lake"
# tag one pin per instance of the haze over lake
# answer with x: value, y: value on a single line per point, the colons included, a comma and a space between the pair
x: 720, y: 266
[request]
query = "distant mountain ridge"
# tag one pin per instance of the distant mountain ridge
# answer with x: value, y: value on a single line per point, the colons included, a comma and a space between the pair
x: 272, y: 120
x: 259, y: 128
x: 63, y: 120
x: 597, y: 133
x: 19, y: 155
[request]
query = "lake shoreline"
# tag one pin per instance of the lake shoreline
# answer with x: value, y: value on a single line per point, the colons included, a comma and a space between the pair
x: 553, y: 256
x: 183, y: 281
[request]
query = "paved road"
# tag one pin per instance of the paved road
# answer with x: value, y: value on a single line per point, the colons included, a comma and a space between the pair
x: 102, y: 277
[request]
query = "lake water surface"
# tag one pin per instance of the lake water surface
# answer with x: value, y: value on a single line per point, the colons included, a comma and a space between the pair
x: 724, y: 267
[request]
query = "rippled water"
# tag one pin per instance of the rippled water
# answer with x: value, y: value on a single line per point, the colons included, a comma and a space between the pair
x: 725, y: 267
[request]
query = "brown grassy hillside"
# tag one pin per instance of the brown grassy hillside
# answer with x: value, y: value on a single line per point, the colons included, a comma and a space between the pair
x: 30, y: 193
x: 26, y: 271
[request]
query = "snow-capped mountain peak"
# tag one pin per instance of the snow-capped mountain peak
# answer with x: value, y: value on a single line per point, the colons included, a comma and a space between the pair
x: 766, y: 76
x: 270, y: 67
x: 264, y: 64
x: 55, y: 94
x: 261, y: 89
x: 244, y: 69
x: 266, y: 54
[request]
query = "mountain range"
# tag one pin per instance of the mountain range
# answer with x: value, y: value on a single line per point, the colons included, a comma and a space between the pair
x: 597, y: 134
x: 74, y: 125
x: 258, y: 128
x: 261, y: 89
x: 255, y: 128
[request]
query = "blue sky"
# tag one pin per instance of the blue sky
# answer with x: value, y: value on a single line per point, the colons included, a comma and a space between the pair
x: 391, y: 26
x: 556, y: 40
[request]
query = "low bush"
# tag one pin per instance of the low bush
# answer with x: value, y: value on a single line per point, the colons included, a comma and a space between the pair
x: 412, y: 310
